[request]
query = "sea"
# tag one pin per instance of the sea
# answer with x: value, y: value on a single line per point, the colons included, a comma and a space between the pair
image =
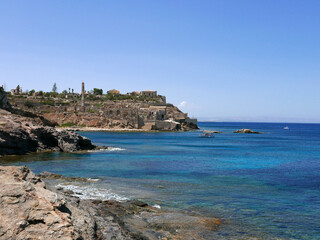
x: 264, y: 186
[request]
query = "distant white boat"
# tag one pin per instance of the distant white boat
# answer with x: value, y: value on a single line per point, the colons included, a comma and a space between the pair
x: 286, y: 128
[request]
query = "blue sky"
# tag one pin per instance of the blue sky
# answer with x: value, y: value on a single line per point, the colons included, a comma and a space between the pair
x: 219, y: 60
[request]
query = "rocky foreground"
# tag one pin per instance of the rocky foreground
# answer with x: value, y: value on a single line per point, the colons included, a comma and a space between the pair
x: 31, y: 209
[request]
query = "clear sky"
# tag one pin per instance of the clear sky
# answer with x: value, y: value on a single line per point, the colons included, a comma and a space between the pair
x: 219, y: 60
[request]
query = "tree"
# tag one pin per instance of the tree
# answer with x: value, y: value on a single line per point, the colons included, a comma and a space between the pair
x: 31, y: 92
x: 65, y: 92
x: 54, y: 88
x: 97, y: 91
x: 18, y: 89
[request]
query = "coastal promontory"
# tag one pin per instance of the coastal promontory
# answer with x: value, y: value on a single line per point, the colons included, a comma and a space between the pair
x: 23, y: 132
x: 142, y: 111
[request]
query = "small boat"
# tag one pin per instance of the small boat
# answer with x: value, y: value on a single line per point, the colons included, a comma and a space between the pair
x: 207, y: 135
x: 286, y: 128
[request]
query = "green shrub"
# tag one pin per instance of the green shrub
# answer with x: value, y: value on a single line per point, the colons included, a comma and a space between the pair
x: 28, y: 104
x: 47, y: 102
x: 68, y: 124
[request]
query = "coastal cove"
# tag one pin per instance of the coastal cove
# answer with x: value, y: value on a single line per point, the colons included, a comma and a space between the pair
x: 264, y: 185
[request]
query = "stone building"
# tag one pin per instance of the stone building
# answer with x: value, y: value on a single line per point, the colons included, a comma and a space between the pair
x: 16, y: 91
x: 149, y: 93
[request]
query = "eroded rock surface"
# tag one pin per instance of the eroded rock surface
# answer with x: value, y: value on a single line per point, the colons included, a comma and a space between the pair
x: 247, y: 131
x: 29, y: 211
x: 21, y: 135
x: 4, y: 103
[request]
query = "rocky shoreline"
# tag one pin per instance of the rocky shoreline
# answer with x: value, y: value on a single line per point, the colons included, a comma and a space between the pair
x: 33, y: 208
x: 23, y: 134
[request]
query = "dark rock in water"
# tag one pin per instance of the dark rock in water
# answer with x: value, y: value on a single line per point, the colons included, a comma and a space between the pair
x: 101, y: 148
x: 49, y: 175
x: 211, y: 131
x: 22, y: 132
x: 21, y: 141
x: 247, y: 131
x: 21, y: 135
x: 138, y: 203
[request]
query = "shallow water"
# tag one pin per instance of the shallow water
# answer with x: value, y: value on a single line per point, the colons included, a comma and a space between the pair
x: 265, y: 185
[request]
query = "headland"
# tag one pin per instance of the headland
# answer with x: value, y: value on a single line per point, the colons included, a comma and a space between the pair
x: 141, y: 111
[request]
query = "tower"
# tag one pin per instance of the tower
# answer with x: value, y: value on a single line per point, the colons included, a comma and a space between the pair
x: 82, y: 98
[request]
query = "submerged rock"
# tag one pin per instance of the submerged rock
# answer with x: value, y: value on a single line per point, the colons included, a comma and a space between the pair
x: 247, y: 131
x: 211, y: 131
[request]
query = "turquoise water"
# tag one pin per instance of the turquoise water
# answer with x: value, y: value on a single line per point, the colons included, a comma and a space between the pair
x: 264, y: 185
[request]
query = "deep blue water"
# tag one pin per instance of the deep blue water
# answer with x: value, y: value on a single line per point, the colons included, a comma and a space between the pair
x: 265, y: 185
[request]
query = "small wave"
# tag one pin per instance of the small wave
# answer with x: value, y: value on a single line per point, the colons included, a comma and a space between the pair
x: 109, y: 149
x: 93, y: 179
x: 88, y: 192
x: 157, y: 206
x: 115, y: 149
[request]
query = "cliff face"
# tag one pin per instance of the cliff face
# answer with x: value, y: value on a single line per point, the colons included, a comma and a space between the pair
x: 21, y: 135
x: 117, y: 114
x: 22, y: 132
x: 4, y: 103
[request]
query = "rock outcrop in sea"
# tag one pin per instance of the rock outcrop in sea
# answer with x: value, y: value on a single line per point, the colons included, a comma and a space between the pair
x: 22, y: 132
x: 247, y: 131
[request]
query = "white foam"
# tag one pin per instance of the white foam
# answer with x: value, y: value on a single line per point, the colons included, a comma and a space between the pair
x: 93, y: 179
x: 88, y: 192
x: 109, y: 149
x: 115, y: 149
x: 157, y: 206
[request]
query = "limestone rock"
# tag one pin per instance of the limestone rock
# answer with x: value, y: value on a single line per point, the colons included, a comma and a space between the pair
x: 29, y: 211
x: 247, y: 131
x: 211, y: 131
x: 166, y: 125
